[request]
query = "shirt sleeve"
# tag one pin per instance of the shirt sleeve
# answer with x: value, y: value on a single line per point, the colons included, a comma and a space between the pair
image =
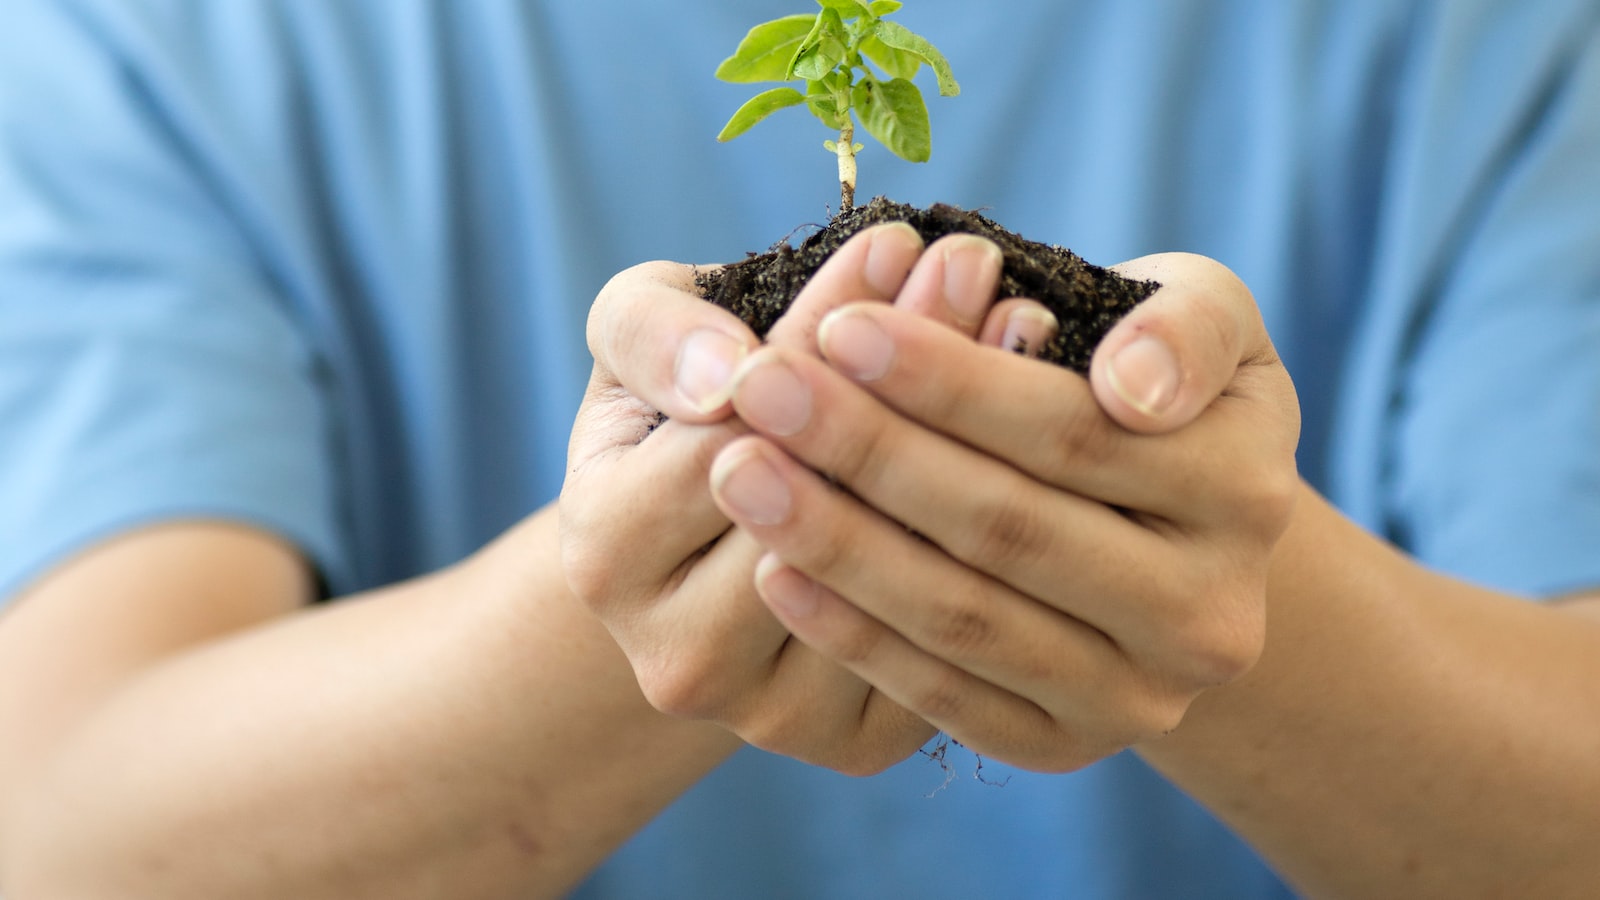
x: 149, y: 367
x: 1495, y: 473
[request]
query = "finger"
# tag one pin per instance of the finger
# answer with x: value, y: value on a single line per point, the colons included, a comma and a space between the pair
x: 958, y: 649
x: 651, y: 332
x: 954, y: 282
x: 1138, y: 577
x: 1019, y: 326
x: 631, y: 329
x: 872, y: 265
x: 975, y: 508
x: 816, y: 710
x: 1045, y: 420
x: 943, y: 695
x: 713, y: 651
x: 1176, y: 352
x: 1039, y: 418
x: 645, y: 503
x: 911, y: 585
x: 702, y: 640
x: 1059, y: 734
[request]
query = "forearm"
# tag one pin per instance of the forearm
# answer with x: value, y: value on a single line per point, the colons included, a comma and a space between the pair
x: 472, y: 734
x: 1404, y: 735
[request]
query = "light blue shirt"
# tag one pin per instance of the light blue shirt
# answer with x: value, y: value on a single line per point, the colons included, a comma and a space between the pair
x: 323, y: 266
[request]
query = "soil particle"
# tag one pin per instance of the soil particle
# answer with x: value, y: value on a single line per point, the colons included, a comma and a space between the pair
x: 1087, y: 299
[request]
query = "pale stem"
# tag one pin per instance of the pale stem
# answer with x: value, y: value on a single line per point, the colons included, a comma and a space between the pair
x: 847, y: 165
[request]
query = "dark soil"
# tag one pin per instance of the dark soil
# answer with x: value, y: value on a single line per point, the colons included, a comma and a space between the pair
x: 1086, y: 299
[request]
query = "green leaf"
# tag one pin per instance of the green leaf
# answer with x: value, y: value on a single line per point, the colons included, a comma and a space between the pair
x: 901, y: 38
x: 820, y: 60
x: 823, y: 100
x: 895, y: 114
x: 847, y: 9
x: 759, y: 107
x: 885, y: 7
x: 822, y: 49
x: 896, y: 63
x: 765, y: 52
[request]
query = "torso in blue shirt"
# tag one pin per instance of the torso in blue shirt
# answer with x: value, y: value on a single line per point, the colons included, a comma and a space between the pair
x: 377, y: 227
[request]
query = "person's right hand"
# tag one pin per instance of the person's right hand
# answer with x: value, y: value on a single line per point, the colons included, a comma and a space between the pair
x: 1049, y: 568
x: 645, y: 546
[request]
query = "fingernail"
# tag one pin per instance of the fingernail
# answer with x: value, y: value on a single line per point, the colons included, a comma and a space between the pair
x: 1145, y: 375
x: 895, y: 248
x: 855, y: 345
x: 791, y: 593
x: 971, y: 275
x: 750, y: 485
x: 771, y: 397
x: 1028, y: 329
x: 704, y: 369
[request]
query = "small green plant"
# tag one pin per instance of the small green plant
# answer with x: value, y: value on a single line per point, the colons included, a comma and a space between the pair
x: 829, y: 51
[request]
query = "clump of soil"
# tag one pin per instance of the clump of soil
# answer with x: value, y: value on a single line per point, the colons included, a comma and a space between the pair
x: 1087, y: 299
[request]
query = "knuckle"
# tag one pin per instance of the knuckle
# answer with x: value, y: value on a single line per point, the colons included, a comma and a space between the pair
x: 1080, y: 437
x: 1271, y: 500
x: 1043, y: 668
x: 1220, y: 638
x: 591, y: 573
x: 941, y: 698
x: 594, y: 331
x: 1148, y: 709
x: 860, y: 462
x: 610, y: 315
x: 857, y: 645
x: 824, y: 552
x: 678, y: 689
x: 1253, y: 494
x: 960, y: 631
x: 624, y: 316
x: 1161, y: 716
x: 953, y: 399
x: 1006, y: 529
x: 1223, y: 655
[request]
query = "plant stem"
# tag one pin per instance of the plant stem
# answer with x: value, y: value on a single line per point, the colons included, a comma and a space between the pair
x: 847, y: 164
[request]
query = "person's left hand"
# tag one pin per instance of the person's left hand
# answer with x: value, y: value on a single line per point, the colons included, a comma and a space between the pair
x: 645, y: 548
x: 1047, y: 568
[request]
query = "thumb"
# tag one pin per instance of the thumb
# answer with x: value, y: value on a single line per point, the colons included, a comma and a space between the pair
x: 655, y: 338
x: 871, y: 265
x: 1176, y: 352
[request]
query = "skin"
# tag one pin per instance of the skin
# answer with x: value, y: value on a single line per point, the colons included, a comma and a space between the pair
x: 209, y: 736
x: 477, y: 732
x: 1392, y: 733
x: 688, y: 588
x: 172, y: 710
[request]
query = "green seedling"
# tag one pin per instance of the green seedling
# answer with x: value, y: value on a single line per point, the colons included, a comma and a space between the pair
x: 829, y: 51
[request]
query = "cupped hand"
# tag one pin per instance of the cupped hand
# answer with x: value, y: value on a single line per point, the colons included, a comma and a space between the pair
x: 645, y: 546
x: 1048, y: 568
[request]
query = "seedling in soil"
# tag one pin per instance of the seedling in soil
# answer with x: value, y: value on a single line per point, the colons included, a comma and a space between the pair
x: 830, y: 52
